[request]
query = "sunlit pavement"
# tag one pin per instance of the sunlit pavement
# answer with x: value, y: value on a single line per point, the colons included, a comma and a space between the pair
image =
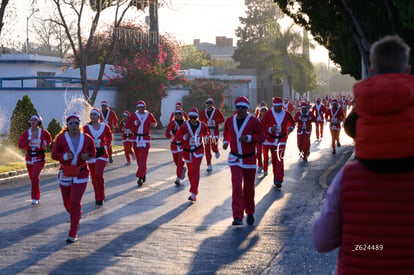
x: 156, y: 230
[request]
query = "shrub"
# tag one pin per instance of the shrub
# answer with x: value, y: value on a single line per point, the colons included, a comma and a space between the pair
x: 54, y: 128
x: 19, y: 120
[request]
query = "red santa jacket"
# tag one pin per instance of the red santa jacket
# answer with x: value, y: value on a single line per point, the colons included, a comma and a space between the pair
x: 377, y: 225
x: 102, y: 139
x: 213, y: 121
x: 171, y: 132
x: 335, y: 117
x: 319, y: 111
x: 192, y: 140
x: 243, y: 153
x: 63, y: 145
x: 140, y: 125
x: 109, y: 118
x: 304, y: 122
x: 282, y: 121
x: 35, y: 145
x: 127, y: 135
x: 288, y: 107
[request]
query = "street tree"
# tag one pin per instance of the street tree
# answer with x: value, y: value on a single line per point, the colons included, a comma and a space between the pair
x: 260, y: 17
x: 192, y: 58
x: 348, y: 28
x: 89, y: 12
x: 3, y: 6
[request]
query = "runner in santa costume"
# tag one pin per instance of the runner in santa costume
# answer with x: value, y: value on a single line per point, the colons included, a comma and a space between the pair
x: 319, y: 111
x: 72, y: 149
x: 176, y: 146
x: 102, y: 138
x: 243, y: 131
x: 344, y: 104
x: 178, y: 106
x: 304, y: 120
x: 277, y: 124
x: 35, y: 140
x: 128, y: 138
x: 257, y: 111
x: 259, y: 146
x: 335, y: 117
x: 287, y: 105
x: 109, y: 117
x: 191, y: 135
x: 213, y: 117
x: 140, y: 123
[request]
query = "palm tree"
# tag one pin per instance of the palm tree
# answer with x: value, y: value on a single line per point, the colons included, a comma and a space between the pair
x: 281, y: 50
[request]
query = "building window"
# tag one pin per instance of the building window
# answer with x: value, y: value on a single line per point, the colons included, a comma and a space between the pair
x: 43, y: 81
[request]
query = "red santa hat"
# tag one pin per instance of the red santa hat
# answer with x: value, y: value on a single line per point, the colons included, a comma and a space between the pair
x: 178, y: 105
x: 105, y: 103
x: 37, y: 117
x: 287, y: 98
x: 210, y: 100
x: 141, y: 103
x: 126, y: 113
x: 241, y: 101
x: 304, y: 105
x: 318, y: 99
x: 73, y: 115
x: 95, y: 111
x: 277, y: 102
x: 193, y: 112
x: 334, y: 101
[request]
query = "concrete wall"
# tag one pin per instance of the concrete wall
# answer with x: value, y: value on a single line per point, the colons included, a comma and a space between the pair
x: 50, y: 104
x: 168, y: 103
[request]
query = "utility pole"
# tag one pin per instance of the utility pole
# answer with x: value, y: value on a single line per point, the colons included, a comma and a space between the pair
x: 154, y: 30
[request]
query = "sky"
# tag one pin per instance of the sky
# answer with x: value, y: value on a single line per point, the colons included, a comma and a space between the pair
x: 191, y: 19
x: 185, y: 20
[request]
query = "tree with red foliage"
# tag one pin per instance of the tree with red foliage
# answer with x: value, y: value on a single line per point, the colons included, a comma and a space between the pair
x: 141, y: 79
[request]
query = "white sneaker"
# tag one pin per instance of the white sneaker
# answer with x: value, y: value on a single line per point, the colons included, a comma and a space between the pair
x: 217, y: 154
x: 209, y: 168
x: 35, y: 202
x: 177, y: 181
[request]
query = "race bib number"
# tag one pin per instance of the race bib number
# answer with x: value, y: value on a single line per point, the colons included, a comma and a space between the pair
x: 35, y: 143
x: 319, y: 118
x: 211, y: 123
x: 334, y: 120
x: 97, y: 142
x: 140, y: 144
x: 194, y: 141
x: 278, y: 128
x: 127, y: 132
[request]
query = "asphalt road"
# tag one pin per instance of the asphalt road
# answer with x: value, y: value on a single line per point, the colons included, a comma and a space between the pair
x: 156, y: 230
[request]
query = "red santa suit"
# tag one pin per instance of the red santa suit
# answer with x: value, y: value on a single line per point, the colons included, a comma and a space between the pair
x: 73, y: 187
x: 304, y: 120
x: 242, y: 160
x: 213, y: 119
x: 335, y: 117
x: 276, y: 128
x: 288, y: 106
x: 109, y: 117
x: 35, y: 155
x: 176, y: 147
x: 128, y: 138
x: 193, y: 149
x: 344, y: 104
x: 140, y: 125
x: 319, y: 111
x: 102, y: 137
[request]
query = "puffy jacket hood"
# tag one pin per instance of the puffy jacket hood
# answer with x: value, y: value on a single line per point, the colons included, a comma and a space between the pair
x: 385, y: 109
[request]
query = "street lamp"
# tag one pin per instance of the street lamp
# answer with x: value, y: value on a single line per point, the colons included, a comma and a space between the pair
x: 27, y: 29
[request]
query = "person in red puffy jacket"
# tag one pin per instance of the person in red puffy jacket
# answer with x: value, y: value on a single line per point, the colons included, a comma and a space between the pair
x: 369, y: 206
